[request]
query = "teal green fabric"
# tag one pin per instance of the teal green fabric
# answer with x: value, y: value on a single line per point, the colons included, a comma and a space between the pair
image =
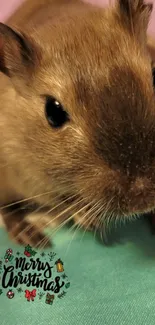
x: 109, y: 284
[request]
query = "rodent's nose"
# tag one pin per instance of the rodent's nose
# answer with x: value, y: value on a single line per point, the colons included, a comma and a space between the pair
x: 139, y: 185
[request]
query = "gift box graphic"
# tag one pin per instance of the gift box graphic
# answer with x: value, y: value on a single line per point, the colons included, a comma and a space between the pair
x: 49, y: 299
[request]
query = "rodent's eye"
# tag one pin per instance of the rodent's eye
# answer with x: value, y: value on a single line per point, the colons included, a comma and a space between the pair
x: 55, y: 113
x: 153, y: 76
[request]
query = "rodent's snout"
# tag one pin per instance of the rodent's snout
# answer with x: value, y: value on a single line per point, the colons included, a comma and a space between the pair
x: 141, y: 196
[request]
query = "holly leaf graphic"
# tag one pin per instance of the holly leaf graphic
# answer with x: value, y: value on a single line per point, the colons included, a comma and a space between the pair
x: 67, y: 285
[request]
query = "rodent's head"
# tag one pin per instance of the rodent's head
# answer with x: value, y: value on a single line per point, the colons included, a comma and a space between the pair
x: 81, y: 120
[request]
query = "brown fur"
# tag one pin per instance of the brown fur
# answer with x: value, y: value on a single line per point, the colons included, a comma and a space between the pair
x: 97, y: 64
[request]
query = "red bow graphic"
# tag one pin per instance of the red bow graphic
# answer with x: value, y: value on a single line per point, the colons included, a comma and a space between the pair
x: 30, y: 295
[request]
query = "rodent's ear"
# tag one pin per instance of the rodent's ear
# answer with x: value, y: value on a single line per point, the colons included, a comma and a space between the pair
x: 136, y: 13
x: 18, y: 54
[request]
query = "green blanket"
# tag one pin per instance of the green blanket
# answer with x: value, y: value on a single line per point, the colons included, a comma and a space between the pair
x: 108, y: 284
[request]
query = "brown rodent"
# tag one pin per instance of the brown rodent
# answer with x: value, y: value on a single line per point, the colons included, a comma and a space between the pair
x: 77, y: 114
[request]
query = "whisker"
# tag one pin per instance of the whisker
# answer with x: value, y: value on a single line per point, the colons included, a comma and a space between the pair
x: 66, y: 221
x: 99, y: 221
x: 106, y: 217
x: 104, y: 229
x: 91, y: 220
x: 45, y: 214
x: 80, y: 225
x: 25, y: 200
x: 10, y: 213
x: 64, y: 201
x: 32, y: 213
x: 53, y: 208
x: 31, y: 225
x: 64, y: 211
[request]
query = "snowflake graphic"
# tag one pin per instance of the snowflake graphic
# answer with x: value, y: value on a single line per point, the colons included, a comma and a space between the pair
x: 19, y: 290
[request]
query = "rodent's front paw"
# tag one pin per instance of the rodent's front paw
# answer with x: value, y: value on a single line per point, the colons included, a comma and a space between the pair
x: 22, y: 230
x: 26, y: 233
x: 84, y: 224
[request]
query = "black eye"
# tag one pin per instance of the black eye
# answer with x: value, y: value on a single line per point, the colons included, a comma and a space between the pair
x: 153, y: 76
x: 55, y: 113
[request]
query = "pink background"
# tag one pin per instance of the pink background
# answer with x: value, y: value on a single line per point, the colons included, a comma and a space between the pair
x: 8, y: 6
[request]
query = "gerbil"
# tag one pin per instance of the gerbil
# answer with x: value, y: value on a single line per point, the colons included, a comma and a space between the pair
x: 77, y: 115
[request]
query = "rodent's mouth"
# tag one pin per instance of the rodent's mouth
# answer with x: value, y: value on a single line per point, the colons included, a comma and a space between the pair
x: 86, y: 215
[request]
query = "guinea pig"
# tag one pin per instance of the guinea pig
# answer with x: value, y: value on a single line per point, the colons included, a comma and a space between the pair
x: 77, y: 116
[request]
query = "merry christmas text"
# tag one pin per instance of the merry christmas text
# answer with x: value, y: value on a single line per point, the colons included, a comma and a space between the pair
x: 42, y: 270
